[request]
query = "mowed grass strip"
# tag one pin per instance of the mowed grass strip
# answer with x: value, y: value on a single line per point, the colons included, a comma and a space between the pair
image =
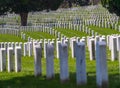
x: 71, y: 33
x: 104, y: 31
x: 39, y: 35
x: 10, y: 38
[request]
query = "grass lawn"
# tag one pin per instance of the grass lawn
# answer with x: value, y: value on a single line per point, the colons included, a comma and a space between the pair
x: 39, y: 35
x: 71, y: 33
x: 104, y: 31
x: 10, y: 38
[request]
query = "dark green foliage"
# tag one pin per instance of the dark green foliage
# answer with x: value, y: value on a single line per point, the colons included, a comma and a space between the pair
x: 53, y: 4
x: 104, y: 2
x: 83, y: 2
x: 113, y: 5
x: 22, y: 7
x: 19, y: 6
x: 3, y: 6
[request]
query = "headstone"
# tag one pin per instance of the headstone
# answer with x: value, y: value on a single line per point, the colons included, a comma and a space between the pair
x: 30, y: 50
x: 73, y: 44
x: 45, y: 45
x: 3, y: 59
x: 50, y: 61
x: 92, y: 49
x: 18, y: 56
x: 10, y: 59
x: 64, y: 74
x: 80, y: 64
x: 97, y: 38
x: 118, y: 43
x: 114, y: 49
x: 57, y: 48
x: 25, y: 49
x: 37, y: 60
x: 101, y: 65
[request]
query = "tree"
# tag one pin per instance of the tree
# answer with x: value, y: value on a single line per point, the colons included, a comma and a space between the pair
x: 3, y: 7
x: 70, y: 3
x: 112, y: 5
x: 23, y: 7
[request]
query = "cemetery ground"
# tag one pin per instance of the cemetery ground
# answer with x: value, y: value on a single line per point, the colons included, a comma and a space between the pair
x: 39, y: 35
x: 104, y: 31
x: 70, y: 32
x: 26, y: 78
x: 10, y: 38
x: 62, y: 31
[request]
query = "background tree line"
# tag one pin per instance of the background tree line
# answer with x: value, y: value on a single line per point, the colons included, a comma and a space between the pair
x: 23, y: 7
x: 112, y: 5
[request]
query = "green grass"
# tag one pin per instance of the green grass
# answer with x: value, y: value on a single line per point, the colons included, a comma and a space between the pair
x: 71, y: 33
x: 10, y: 38
x: 39, y: 35
x: 104, y: 31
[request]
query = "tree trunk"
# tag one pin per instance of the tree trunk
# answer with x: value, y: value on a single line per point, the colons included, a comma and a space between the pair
x: 70, y: 3
x: 24, y: 17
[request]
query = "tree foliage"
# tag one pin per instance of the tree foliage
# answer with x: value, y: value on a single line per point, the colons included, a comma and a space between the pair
x: 22, y: 7
x: 19, y: 6
x: 3, y: 6
x: 112, y: 5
